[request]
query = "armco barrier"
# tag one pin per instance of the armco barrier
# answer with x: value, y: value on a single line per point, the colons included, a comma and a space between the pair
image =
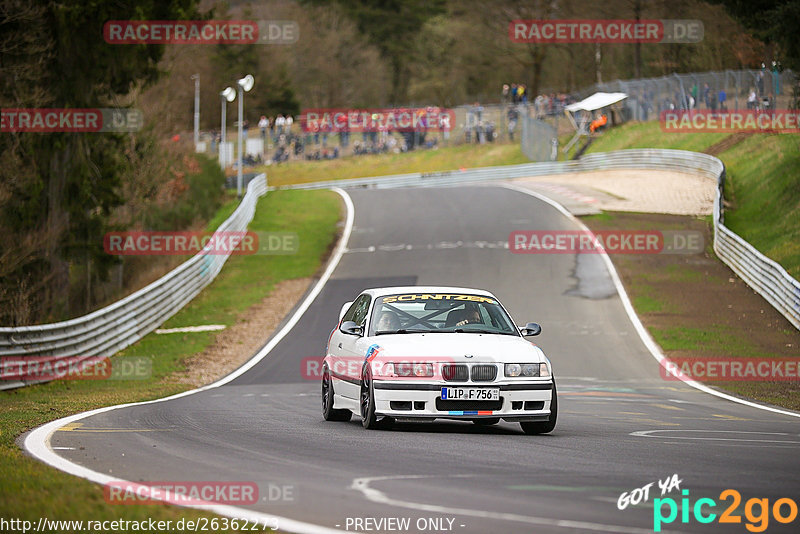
x: 121, y: 324
x: 765, y: 276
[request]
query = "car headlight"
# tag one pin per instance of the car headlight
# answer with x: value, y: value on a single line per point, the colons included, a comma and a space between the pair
x: 423, y: 369
x: 527, y: 369
x: 544, y: 370
x: 413, y: 369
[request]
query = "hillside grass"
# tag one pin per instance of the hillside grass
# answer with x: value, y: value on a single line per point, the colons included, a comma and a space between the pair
x: 433, y: 160
x: 762, y: 186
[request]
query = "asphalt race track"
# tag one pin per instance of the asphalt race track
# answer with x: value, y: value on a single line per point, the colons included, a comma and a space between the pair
x: 621, y: 426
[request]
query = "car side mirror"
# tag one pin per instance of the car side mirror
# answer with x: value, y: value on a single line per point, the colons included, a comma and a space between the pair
x: 531, y: 329
x: 344, y: 309
x: 351, y: 328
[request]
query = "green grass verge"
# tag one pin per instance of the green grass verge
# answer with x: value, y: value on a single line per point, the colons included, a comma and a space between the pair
x: 31, y: 489
x: 441, y: 159
x: 714, y: 338
x: 692, y: 307
x: 649, y: 135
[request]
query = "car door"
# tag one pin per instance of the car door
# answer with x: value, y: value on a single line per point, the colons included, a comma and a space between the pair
x: 347, y: 351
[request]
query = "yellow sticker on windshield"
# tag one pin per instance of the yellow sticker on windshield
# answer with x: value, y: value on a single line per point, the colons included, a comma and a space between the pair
x: 436, y: 296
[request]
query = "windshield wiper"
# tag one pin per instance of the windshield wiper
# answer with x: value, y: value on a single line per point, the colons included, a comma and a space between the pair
x: 403, y: 331
x: 480, y: 331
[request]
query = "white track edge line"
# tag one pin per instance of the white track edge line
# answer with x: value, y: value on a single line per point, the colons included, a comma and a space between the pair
x: 37, y: 442
x: 651, y: 345
x: 377, y: 496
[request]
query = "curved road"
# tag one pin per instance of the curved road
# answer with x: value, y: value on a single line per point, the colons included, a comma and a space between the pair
x: 621, y: 426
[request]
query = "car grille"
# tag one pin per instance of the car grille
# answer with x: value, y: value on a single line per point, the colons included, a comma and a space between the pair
x: 484, y: 373
x: 467, y: 405
x: 455, y: 373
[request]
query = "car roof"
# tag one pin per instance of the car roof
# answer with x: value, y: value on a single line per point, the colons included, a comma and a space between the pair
x: 395, y: 290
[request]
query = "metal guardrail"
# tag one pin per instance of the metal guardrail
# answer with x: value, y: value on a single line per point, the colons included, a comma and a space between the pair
x: 110, y: 329
x: 764, y: 275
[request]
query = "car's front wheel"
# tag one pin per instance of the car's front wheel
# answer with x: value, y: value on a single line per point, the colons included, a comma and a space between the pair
x: 368, y: 418
x: 328, y: 411
x: 544, y: 427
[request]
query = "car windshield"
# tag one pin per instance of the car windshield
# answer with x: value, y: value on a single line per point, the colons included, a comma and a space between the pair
x: 440, y: 312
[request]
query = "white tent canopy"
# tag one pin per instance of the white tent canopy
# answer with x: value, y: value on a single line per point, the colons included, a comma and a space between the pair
x: 596, y: 101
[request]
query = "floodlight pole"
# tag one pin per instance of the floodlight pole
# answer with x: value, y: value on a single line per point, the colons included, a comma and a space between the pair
x: 228, y: 95
x: 222, y: 151
x: 239, y: 165
x: 196, y: 78
x: 244, y: 84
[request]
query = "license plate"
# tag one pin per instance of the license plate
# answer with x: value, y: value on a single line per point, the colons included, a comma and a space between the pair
x: 470, y: 393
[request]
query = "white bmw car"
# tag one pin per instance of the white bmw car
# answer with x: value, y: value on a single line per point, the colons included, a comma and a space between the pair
x: 412, y: 353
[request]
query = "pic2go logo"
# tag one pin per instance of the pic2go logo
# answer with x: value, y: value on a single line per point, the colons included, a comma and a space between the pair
x: 758, y: 521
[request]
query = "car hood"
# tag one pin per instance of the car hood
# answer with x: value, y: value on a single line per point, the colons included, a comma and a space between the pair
x: 455, y: 346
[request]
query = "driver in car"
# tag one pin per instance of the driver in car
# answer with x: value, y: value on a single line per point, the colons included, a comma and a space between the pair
x: 388, y: 322
x: 471, y: 316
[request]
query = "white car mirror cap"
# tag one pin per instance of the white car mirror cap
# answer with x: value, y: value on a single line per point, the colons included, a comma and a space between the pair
x: 531, y: 329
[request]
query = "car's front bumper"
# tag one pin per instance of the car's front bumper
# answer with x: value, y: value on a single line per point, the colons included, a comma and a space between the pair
x: 519, y: 401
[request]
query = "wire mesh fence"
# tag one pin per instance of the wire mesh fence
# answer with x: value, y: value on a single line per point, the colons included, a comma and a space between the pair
x: 729, y: 90
x: 760, y: 89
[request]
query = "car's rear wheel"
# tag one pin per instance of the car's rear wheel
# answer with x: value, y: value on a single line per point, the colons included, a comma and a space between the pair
x: 488, y: 421
x: 328, y: 411
x: 544, y: 427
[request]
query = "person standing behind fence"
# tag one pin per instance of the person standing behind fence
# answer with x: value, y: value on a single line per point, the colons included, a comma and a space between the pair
x: 263, y: 124
x: 288, y: 122
x: 707, y: 95
x: 752, y: 99
x: 444, y: 125
x: 513, y: 116
x: 280, y: 122
x: 723, y: 97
